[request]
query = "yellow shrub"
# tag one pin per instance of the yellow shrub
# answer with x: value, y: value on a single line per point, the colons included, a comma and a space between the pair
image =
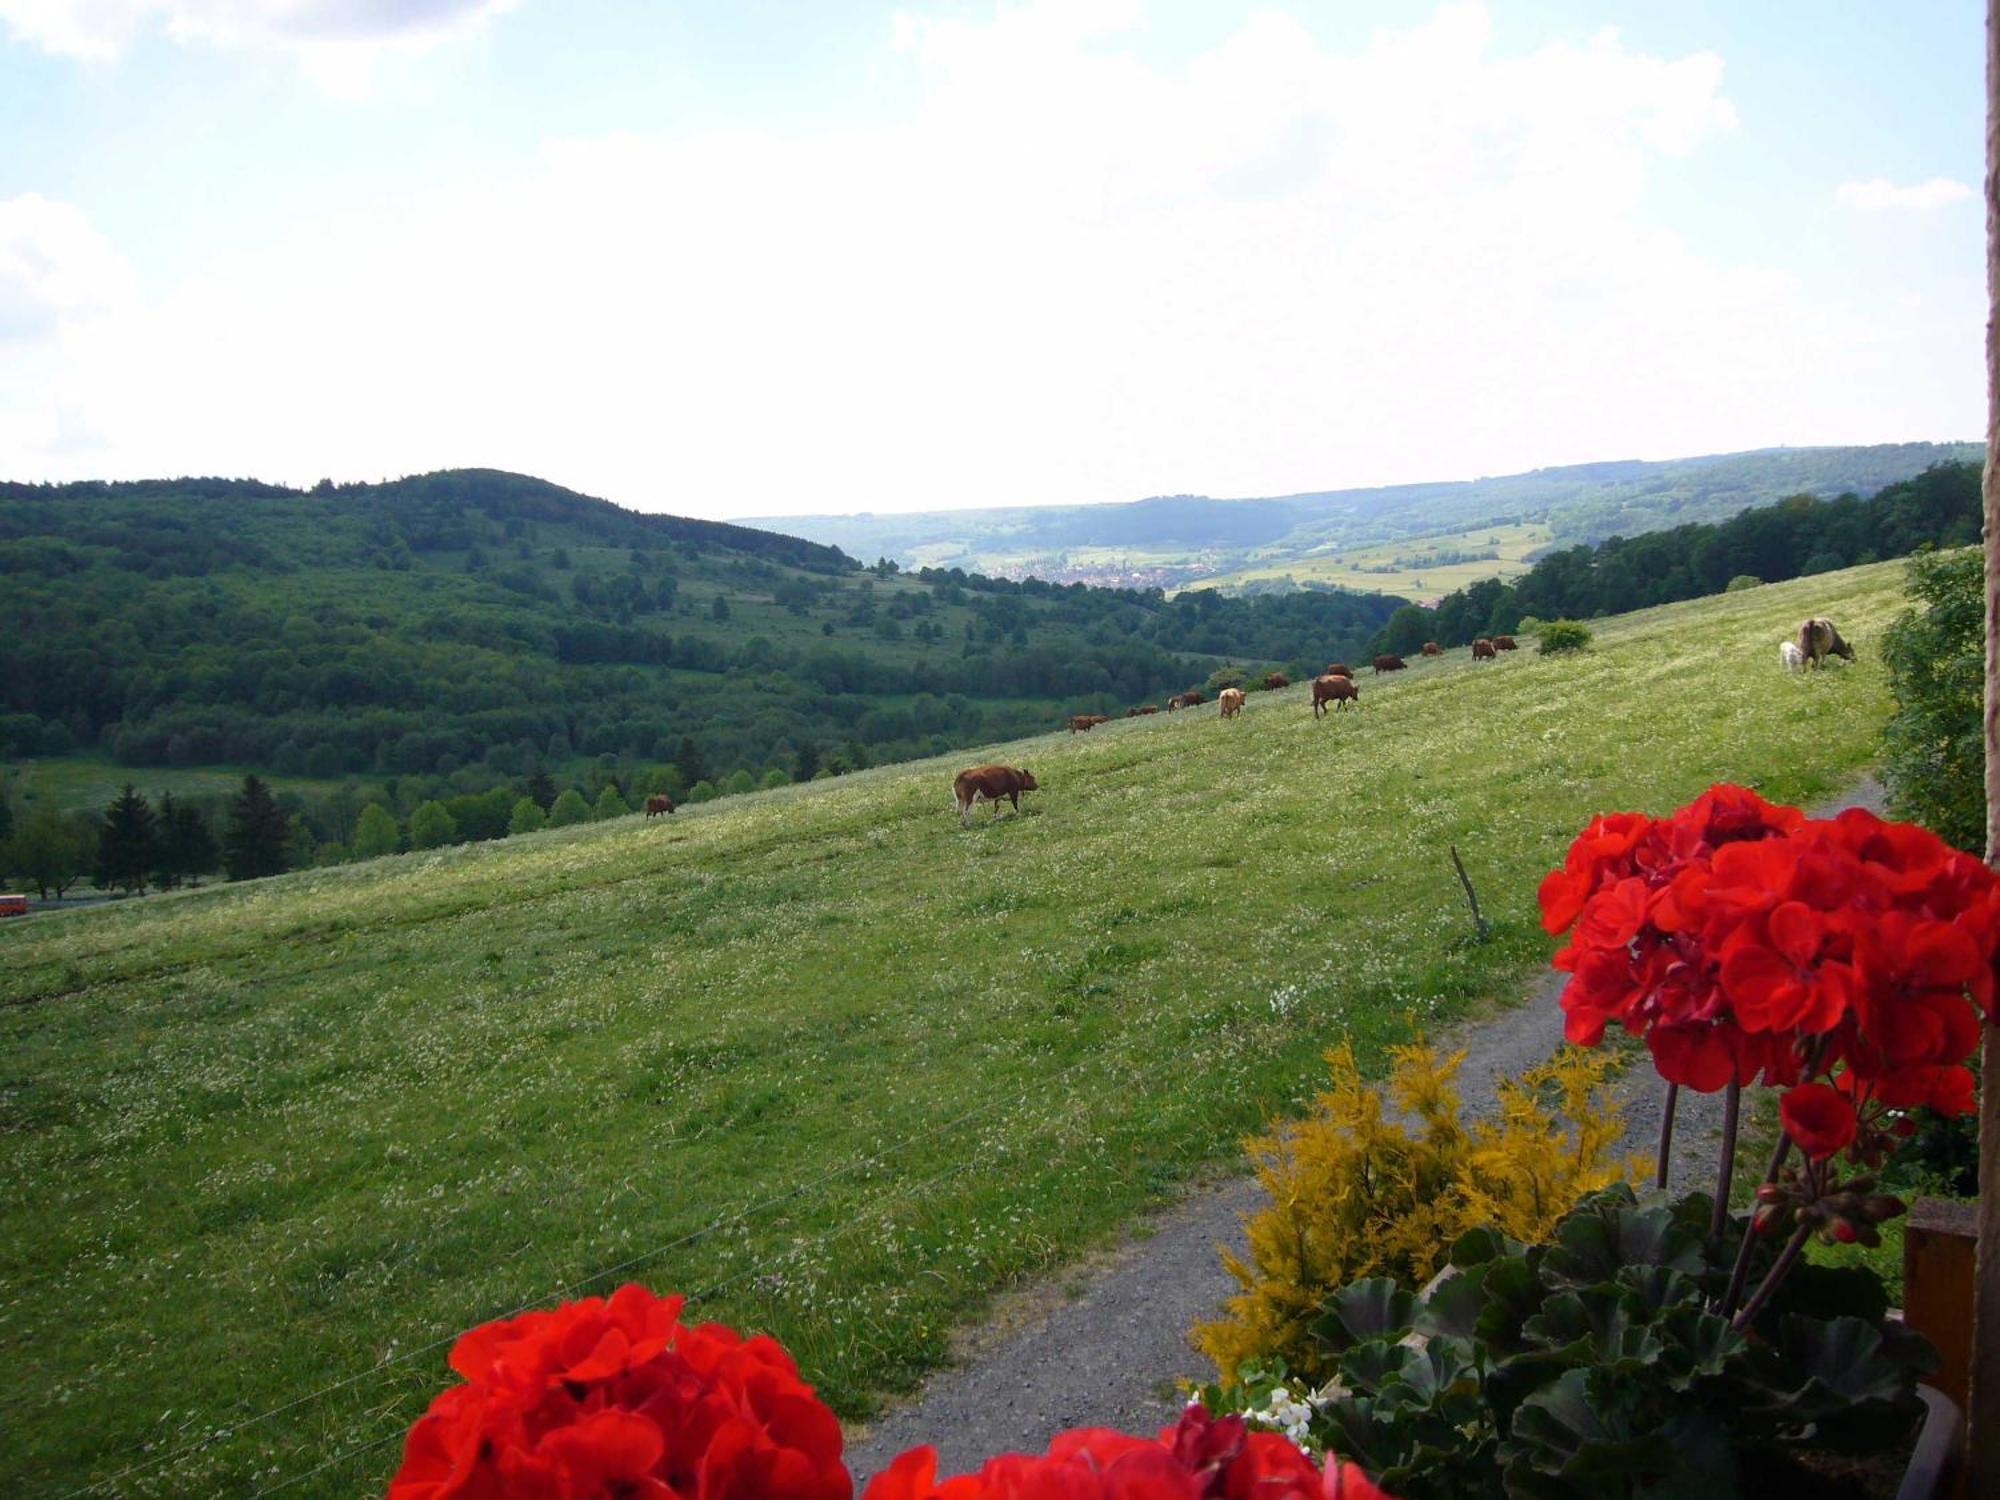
x: 1354, y: 1194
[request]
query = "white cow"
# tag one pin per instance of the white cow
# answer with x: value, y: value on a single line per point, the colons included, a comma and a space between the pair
x: 1790, y: 656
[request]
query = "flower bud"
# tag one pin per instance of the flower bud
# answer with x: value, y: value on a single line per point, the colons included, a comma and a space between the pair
x: 1880, y: 1206
x: 1843, y: 1231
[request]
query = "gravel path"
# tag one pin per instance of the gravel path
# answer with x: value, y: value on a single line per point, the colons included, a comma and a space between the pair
x: 1104, y: 1344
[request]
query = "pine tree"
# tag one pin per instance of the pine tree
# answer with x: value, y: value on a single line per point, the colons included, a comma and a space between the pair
x: 808, y: 762
x: 193, y: 841
x: 688, y: 758
x: 540, y: 787
x: 254, y: 844
x: 6, y: 818
x: 125, y: 843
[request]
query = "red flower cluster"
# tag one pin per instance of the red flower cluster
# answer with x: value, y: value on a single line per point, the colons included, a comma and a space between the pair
x: 621, y: 1400
x: 1198, y: 1458
x: 1742, y: 939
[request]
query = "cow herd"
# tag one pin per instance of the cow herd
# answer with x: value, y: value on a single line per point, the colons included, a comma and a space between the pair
x: 1816, y: 640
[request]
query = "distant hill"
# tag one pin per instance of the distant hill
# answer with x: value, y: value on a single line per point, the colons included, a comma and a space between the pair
x: 1173, y: 541
x: 473, y: 626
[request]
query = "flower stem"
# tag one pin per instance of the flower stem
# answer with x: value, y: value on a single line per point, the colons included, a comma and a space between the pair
x: 1666, y: 1136
x: 1725, y: 1169
x: 1771, y: 1279
x: 1741, y: 1273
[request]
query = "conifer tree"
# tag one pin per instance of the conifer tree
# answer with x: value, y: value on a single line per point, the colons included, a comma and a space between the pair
x: 688, y: 759
x: 187, y: 843
x: 254, y: 844
x: 540, y: 787
x: 125, y: 843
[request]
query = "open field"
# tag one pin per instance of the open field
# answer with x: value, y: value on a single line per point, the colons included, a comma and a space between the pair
x: 815, y: 1056
x: 1409, y: 567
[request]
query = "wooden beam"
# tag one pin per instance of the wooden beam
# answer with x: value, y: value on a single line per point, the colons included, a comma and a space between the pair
x: 1983, y: 1414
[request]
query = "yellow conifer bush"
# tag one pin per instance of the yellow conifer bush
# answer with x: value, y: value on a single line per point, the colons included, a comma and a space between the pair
x: 1356, y: 1194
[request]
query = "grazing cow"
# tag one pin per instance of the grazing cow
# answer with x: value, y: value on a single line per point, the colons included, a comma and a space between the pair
x: 1087, y: 721
x: 989, y: 784
x: 1432, y: 648
x: 1275, y: 681
x: 1231, y: 702
x: 1504, y: 643
x: 1185, y: 700
x: 1818, y: 640
x: 1333, y: 688
x: 660, y: 803
x: 1790, y: 657
x: 1389, y: 664
x: 1339, y: 669
x: 1150, y: 708
x: 1483, y: 650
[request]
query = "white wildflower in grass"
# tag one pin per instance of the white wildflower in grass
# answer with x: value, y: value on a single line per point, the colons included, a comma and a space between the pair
x: 818, y: 1057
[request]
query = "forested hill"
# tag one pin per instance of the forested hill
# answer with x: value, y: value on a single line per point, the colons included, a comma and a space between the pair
x: 1184, y: 539
x: 474, y: 624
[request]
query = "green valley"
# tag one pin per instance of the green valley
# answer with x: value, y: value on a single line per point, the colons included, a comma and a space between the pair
x: 815, y: 1056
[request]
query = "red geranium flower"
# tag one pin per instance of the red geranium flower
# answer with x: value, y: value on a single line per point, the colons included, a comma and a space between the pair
x: 1818, y: 1118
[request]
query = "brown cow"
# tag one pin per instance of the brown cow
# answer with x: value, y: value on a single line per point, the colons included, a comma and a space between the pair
x: 1087, y: 721
x: 1389, y: 664
x: 1275, y: 681
x: 1482, y: 650
x: 660, y: 803
x: 1432, y: 648
x: 1185, y: 700
x: 1131, y: 713
x: 1818, y: 640
x: 989, y: 784
x: 1339, y: 669
x: 1150, y: 708
x: 1333, y: 688
x: 1231, y: 702
x: 1504, y: 643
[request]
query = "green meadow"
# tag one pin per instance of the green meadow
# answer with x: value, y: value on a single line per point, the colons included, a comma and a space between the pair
x: 816, y: 1057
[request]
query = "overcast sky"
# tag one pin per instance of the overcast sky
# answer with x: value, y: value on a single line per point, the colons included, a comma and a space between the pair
x: 747, y: 257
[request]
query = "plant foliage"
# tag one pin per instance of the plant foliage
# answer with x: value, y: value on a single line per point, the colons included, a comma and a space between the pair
x: 1355, y: 1193
x: 1564, y: 635
x: 1934, y: 748
x: 1588, y: 1366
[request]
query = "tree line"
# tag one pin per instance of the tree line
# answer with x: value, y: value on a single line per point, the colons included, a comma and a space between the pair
x: 1791, y: 539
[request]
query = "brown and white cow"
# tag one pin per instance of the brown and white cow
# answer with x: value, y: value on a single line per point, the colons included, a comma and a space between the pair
x: 1389, y: 664
x: 1334, y: 688
x: 1818, y: 640
x: 1504, y: 643
x: 1276, y: 680
x: 1432, y: 648
x: 989, y: 784
x: 1231, y: 702
x: 1482, y: 650
x: 659, y: 803
x: 1188, y: 699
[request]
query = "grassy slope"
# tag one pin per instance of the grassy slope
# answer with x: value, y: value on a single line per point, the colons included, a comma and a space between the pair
x: 266, y: 1138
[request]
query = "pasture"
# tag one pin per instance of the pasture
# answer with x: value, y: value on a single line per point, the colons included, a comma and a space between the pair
x: 1417, y: 567
x: 816, y: 1057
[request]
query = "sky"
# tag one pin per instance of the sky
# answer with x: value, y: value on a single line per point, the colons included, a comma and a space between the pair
x: 731, y: 258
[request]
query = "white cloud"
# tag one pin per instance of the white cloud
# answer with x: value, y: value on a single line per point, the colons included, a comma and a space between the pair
x: 1069, y: 275
x: 1880, y: 193
x: 337, y: 41
x: 56, y: 269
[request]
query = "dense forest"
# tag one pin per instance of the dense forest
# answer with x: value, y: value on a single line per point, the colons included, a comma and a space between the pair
x: 1794, y: 538
x: 474, y: 618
